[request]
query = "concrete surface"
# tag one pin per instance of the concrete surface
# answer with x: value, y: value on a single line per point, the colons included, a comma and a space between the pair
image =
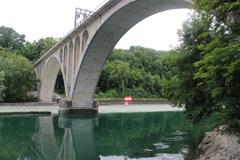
x: 46, y: 109
x: 53, y: 109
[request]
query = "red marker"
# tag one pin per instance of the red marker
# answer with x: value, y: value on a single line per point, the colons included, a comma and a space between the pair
x: 127, y: 99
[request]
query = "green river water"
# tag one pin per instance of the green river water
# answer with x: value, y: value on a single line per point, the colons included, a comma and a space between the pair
x: 112, y: 136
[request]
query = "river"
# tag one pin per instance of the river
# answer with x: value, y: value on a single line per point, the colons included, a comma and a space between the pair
x: 114, y: 134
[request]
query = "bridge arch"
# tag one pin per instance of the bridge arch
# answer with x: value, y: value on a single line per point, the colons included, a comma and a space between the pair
x: 103, y: 41
x: 48, y: 80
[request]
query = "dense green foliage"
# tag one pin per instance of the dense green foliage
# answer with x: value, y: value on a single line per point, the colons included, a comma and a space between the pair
x: 16, y: 42
x: 2, y: 87
x: 34, y: 50
x: 16, y: 76
x: 16, y: 72
x: 207, y: 78
x: 139, y: 72
x: 9, y: 38
x: 183, y: 89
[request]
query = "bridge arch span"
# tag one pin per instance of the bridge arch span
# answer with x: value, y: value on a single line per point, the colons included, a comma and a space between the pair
x: 123, y: 17
x: 48, y: 80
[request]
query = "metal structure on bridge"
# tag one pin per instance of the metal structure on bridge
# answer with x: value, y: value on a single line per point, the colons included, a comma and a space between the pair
x: 81, y: 15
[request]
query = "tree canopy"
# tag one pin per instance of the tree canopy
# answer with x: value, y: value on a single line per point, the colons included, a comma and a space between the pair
x: 34, y: 50
x: 140, y: 72
x: 16, y: 76
x: 16, y: 42
x: 10, y: 39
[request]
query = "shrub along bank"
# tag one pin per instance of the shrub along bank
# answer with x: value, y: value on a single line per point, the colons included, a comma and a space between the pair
x: 16, y: 76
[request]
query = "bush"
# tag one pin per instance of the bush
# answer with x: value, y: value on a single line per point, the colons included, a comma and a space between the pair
x: 2, y: 87
x: 16, y: 76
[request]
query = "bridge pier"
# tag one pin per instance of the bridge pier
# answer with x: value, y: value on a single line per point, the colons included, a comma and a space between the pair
x: 66, y: 108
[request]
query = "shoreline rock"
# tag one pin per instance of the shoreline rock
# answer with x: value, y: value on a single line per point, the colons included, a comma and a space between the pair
x: 219, y: 145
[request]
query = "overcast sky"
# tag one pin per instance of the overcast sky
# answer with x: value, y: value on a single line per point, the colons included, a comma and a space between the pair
x: 43, y: 18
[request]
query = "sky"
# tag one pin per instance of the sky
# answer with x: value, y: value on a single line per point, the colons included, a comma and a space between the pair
x: 45, y: 18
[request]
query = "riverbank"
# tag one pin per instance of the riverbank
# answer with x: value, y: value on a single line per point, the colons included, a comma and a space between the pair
x: 219, y: 145
x: 133, y: 108
x: 105, y: 106
x: 52, y: 108
x: 28, y: 108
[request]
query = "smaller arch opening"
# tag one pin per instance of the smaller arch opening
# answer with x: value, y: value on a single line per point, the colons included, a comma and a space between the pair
x: 48, y: 80
x: 59, y: 89
x: 61, y: 55
x: 70, y: 64
x: 76, y: 52
x: 85, y: 38
x: 65, y: 58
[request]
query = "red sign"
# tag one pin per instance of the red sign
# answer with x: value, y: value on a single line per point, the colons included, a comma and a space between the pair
x: 128, y: 99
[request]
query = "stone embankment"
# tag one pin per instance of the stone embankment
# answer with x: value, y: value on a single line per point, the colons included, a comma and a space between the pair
x: 219, y: 145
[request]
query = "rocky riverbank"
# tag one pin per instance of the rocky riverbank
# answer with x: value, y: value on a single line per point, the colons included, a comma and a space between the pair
x: 219, y: 145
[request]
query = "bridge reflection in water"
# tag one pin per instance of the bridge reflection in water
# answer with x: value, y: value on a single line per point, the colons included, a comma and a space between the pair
x: 106, y: 136
x: 77, y: 142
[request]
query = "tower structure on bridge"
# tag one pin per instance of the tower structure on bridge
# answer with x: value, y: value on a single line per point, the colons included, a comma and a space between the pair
x: 81, y: 15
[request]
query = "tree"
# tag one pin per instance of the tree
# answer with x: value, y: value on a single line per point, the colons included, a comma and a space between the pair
x: 10, y: 39
x: 207, y: 78
x: 138, y: 72
x: 17, y: 78
x: 34, y: 50
x: 183, y: 89
x: 219, y: 69
x: 14, y: 41
x: 2, y: 87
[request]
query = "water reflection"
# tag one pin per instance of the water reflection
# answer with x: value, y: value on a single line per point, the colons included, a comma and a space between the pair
x: 78, y: 140
x: 109, y: 136
x: 44, y: 141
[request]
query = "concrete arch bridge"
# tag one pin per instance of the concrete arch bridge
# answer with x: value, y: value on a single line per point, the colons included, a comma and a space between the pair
x: 81, y: 54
